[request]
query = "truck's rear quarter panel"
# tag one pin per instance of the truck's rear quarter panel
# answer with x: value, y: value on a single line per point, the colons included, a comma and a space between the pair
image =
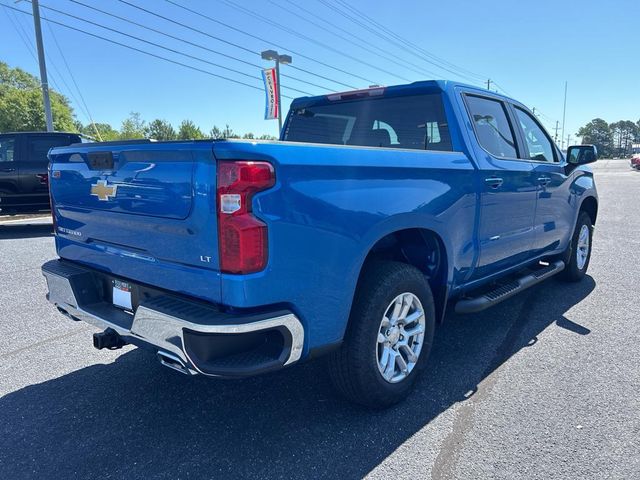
x: 330, y: 205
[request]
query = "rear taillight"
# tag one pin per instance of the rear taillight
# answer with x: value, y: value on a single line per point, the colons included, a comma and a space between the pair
x: 242, y: 237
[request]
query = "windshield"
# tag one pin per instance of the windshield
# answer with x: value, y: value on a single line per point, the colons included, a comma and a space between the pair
x: 415, y: 122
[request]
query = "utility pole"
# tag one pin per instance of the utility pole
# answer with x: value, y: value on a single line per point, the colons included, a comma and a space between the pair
x: 279, y: 59
x: 564, y: 114
x: 43, y: 66
x: 488, y: 84
x: 555, y: 139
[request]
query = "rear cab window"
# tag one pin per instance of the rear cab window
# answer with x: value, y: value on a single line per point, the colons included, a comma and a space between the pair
x: 7, y: 148
x: 38, y: 147
x: 492, y: 126
x: 410, y: 121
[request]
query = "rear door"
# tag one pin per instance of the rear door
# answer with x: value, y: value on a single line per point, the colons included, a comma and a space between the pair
x: 33, y: 183
x: 508, y: 198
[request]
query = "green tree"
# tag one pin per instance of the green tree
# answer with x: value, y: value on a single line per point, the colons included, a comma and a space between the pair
x: 189, y: 131
x: 229, y: 133
x: 106, y: 132
x: 21, y: 104
x: 249, y: 136
x: 133, y: 127
x: 597, y: 132
x: 161, y: 130
x: 623, y: 134
x: 266, y: 136
x: 216, y: 133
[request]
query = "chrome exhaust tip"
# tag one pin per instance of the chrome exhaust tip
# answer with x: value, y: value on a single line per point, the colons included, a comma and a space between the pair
x: 173, y: 362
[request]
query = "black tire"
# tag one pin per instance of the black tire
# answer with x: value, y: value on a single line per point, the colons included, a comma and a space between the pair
x: 572, y: 272
x: 354, y: 366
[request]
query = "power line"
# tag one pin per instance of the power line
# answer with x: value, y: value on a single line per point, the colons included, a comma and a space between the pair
x: 371, y: 30
x: 211, y: 19
x: 297, y: 53
x: 73, y: 79
x: 26, y: 40
x: 31, y: 48
x: 402, y: 44
x: 359, y: 41
x: 503, y: 90
x: 160, y: 32
x: 390, y: 32
x: 157, y: 45
x: 154, y: 55
x: 284, y: 28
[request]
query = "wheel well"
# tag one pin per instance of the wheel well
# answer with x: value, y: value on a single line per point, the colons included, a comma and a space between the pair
x: 590, y: 206
x: 423, y: 249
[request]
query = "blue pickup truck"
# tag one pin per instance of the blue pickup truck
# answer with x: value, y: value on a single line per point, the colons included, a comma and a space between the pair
x: 376, y: 212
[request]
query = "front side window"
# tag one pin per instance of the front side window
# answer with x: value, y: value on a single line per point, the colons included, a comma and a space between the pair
x: 538, y: 145
x: 7, y: 149
x: 415, y: 122
x: 39, y: 147
x: 492, y: 126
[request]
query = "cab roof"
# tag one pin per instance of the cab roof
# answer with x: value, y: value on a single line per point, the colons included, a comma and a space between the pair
x: 423, y: 86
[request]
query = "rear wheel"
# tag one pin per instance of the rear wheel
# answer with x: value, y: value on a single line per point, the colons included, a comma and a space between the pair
x: 389, y: 336
x: 578, y: 254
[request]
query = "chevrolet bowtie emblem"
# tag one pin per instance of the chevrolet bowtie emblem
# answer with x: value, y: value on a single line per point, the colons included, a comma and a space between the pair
x: 103, y: 191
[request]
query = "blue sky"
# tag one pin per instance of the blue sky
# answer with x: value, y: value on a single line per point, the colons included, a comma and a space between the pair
x: 528, y: 48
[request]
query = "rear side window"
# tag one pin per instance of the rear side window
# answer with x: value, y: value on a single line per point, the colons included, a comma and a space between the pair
x: 7, y: 149
x: 415, y: 122
x: 38, y: 147
x: 492, y: 126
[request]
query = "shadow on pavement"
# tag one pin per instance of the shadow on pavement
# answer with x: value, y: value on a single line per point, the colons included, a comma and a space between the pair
x: 16, y: 231
x: 135, y: 419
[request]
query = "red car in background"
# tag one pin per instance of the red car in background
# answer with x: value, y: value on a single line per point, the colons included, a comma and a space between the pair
x: 635, y: 156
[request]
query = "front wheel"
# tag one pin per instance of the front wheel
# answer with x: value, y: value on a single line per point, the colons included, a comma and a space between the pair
x: 389, y: 336
x: 578, y: 254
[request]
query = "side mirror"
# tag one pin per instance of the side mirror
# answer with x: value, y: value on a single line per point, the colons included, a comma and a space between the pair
x: 582, y: 154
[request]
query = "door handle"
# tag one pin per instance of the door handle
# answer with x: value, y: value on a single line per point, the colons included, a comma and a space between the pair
x: 544, y: 181
x: 494, y: 182
x: 7, y: 170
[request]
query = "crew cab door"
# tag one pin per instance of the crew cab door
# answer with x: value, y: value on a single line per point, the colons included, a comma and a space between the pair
x: 508, y: 189
x: 555, y: 212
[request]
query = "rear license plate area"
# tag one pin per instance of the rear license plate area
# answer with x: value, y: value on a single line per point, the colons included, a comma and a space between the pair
x: 122, y: 295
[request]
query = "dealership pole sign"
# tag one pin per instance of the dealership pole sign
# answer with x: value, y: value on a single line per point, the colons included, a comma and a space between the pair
x: 270, y: 77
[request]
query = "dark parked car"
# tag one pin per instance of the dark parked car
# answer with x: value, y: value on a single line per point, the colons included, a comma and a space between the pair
x: 23, y: 169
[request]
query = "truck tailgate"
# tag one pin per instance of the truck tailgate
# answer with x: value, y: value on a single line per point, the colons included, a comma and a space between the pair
x: 146, y: 212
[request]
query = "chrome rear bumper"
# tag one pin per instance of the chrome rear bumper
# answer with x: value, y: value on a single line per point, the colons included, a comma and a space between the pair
x: 189, y: 336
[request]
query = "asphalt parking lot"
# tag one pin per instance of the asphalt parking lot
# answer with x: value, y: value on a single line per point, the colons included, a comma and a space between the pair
x: 542, y: 386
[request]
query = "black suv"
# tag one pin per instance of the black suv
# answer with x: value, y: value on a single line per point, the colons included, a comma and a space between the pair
x: 24, y: 184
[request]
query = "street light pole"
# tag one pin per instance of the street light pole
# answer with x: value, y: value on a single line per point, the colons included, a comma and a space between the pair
x: 279, y: 59
x: 43, y: 66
